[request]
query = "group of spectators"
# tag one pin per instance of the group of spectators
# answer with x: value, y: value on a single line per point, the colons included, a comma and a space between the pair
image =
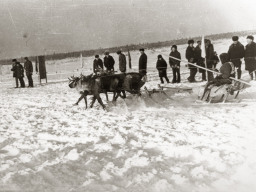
x: 18, y: 72
x: 108, y: 63
x: 236, y: 53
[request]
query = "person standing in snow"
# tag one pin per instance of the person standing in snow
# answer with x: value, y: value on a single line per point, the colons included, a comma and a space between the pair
x: 191, y: 57
x: 161, y: 66
x: 209, y: 51
x: 109, y: 62
x: 97, y: 64
x: 29, y: 71
x: 175, y: 64
x: 236, y: 53
x: 143, y: 62
x: 18, y: 73
x: 250, y: 56
x: 200, y: 60
x: 122, y: 61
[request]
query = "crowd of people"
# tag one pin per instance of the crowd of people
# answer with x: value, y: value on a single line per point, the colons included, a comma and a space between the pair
x: 236, y: 53
x: 193, y: 54
x: 108, y: 63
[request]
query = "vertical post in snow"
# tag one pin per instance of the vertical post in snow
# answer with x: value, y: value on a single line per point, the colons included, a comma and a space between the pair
x: 129, y: 59
x: 81, y: 60
x: 204, y: 56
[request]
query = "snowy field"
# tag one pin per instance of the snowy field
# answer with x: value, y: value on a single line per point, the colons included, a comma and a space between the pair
x: 164, y: 144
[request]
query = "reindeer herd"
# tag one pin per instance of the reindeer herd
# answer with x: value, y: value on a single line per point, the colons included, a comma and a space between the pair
x: 117, y: 84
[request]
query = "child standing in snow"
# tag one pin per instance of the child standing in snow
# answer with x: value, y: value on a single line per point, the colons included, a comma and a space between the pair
x: 161, y: 66
x: 175, y: 64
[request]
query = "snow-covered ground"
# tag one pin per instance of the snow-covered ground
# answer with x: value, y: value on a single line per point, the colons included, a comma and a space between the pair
x: 140, y: 144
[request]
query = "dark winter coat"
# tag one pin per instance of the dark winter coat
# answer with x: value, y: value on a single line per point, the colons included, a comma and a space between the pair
x: 143, y: 64
x: 199, y: 58
x: 109, y: 63
x: 173, y: 62
x: 122, y: 62
x: 236, y: 53
x: 161, y: 66
x: 209, y: 51
x: 97, y: 65
x: 190, y: 56
x: 250, y: 57
x: 227, y: 70
x: 28, y: 66
x: 18, y: 70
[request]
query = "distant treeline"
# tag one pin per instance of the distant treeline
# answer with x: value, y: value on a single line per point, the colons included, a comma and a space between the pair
x: 87, y: 53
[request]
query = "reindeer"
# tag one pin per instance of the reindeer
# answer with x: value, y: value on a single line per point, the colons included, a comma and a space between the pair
x: 93, y: 85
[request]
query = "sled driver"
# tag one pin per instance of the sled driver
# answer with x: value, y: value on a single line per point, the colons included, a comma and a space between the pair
x: 227, y: 70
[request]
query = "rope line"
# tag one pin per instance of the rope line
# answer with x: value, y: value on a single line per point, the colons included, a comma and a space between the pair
x: 211, y: 70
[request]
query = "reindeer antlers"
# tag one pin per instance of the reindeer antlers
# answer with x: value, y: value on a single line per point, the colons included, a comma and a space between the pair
x: 71, y: 78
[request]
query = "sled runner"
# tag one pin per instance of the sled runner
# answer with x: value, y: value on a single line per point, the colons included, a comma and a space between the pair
x: 176, y: 89
x: 159, y: 90
x: 228, y: 103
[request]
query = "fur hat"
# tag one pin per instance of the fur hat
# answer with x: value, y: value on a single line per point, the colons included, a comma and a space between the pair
x: 159, y: 56
x: 224, y: 58
x: 174, y: 46
x: 250, y: 37
x: 141, y: 49
x: 97, y: 56
x: 235, y: 38
x: 191, y: 41
x: 207, y: 41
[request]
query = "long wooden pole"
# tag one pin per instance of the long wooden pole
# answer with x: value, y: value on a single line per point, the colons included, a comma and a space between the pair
x: 209, y: 70
x: 203, y: 49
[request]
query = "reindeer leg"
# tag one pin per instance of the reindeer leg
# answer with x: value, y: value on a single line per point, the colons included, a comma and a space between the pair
x: 93, y: 101
x: 100, y: 101
x: 106, y: 96
x: 114, y: 96
x: 80, y: 98
x: 124, y: 94
x: 85, y: 100
x: 117, y: 95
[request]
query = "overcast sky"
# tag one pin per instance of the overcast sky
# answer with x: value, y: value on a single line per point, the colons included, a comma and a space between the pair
x: 32, y: 27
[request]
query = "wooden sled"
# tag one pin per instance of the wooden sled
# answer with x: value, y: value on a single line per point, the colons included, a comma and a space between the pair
x: 223, y: 92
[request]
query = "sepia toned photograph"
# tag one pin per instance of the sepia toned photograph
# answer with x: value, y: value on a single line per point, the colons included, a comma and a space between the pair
x: 127, y: 96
